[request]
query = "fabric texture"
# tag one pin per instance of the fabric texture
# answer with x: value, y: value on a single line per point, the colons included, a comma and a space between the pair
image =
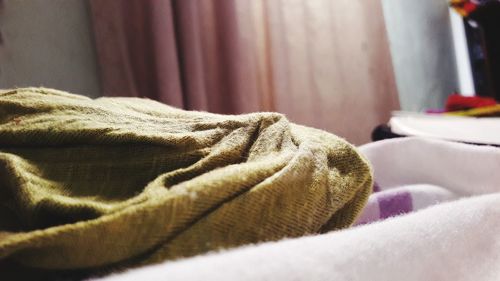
x: 91, y: 183
x: 453, y: 239
x: 412, y: 174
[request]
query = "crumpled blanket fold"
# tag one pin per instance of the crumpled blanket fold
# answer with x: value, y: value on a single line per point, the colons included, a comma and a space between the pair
x: 126, y: 181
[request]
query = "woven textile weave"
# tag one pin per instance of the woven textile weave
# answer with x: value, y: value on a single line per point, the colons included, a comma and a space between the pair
x: 90, y: 183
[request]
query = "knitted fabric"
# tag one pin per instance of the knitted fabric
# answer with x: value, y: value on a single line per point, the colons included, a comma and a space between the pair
x: 90, y: 183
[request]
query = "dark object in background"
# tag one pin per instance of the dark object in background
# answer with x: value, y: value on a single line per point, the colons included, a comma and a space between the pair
x: 382, y: 132
x: 478, y: 59
x: 482, y: 29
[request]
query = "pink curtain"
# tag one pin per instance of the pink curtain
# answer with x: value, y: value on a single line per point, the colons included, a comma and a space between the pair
x: 186, y: 53
x: 322, y: 63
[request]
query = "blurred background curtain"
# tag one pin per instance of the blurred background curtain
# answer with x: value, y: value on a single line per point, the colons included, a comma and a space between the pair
x: 323, y: 63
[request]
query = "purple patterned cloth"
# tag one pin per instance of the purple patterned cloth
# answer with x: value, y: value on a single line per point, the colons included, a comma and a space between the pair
x: 390, y: 202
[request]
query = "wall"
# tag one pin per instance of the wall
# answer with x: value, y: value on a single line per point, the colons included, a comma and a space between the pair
x: 48, y: 43
x: 422, y: 51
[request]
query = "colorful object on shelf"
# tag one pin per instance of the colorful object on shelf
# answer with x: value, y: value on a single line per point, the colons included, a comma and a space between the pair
x: 463, y: 7
x: 457, y: 102
x: 466, y: 7
x: 458, y: 105
x: 487, y: 111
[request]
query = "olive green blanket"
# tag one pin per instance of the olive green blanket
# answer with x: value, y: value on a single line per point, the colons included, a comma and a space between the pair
x: 125, y: 181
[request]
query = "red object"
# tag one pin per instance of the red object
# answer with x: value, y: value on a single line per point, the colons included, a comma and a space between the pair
x: 469, y: 7
x: 457, y: 102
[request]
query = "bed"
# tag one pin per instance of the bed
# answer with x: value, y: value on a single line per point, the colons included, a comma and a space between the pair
x: 131, y: 189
